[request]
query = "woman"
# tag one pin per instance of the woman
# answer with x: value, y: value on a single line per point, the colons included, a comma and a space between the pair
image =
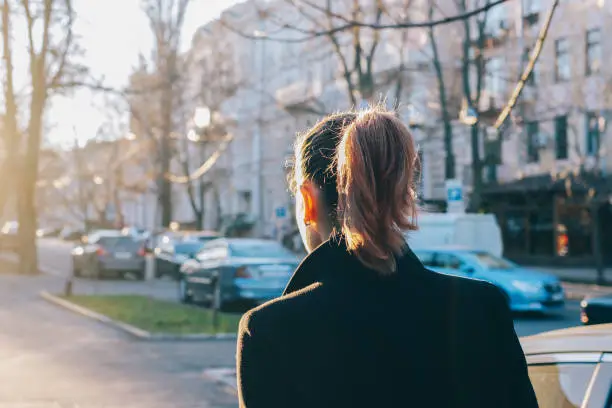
x: 362, y: 323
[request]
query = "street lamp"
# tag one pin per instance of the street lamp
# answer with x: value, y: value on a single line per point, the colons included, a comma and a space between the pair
x: 98, y: 180
x: 202, y: 117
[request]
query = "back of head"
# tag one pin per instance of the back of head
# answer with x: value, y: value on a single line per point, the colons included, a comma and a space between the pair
x: 376, y: 161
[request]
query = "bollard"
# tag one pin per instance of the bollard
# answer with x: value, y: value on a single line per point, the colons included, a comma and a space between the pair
x: 216, y: 302
x: 68, y: 287
x: 149, y: 267
x: 68, y: 283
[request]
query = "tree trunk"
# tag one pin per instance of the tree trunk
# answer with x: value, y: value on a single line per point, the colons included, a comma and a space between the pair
x: 475, y: 200
x: 219, y: 215
x: 201, y: 197
x: 449, y: 161
x: 28, y: 254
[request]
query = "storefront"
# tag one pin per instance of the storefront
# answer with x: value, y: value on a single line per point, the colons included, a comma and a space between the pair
x: 553, y: 222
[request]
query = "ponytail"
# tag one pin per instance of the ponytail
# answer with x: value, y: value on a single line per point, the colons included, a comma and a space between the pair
x: 376, y: 200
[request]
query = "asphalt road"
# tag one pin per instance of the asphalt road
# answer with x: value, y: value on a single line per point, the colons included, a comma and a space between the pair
x: 54, y: 254
x: 52, y: 358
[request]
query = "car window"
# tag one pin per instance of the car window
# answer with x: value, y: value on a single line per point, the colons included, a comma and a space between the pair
x: 425, y: 257
x: 491, y: 261
x: 119, y: 243
x: 212, y: 251
x: 561, y: 385
x: 261, y: 249
x: 187, y: 248
x: 447, y: 261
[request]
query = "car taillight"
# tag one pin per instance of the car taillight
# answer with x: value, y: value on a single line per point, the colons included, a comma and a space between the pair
x: 141, y: 252
x: 101, y: 251
x: 243, y: 272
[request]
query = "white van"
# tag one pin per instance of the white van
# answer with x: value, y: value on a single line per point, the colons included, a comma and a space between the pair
x: 473, y: 231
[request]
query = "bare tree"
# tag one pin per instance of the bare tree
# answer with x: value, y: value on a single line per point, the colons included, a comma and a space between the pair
x: 212, y: 64
x: 355, y: 49
x: 52, y: 52
x: 166, y: 18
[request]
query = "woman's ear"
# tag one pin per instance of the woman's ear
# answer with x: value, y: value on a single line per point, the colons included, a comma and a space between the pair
x: 309, y: 197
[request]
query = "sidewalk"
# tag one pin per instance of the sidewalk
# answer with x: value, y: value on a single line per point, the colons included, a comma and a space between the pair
x: 577, y: 275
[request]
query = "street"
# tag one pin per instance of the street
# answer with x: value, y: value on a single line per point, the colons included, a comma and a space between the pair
x: 55, y: 255
x: 55, y: 358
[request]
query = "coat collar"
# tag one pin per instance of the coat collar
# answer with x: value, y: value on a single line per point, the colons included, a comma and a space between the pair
x: 332, y: 260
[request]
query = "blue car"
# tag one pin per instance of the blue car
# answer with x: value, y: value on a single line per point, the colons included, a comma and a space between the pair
x: 237, y: 270
x: 526, y: 290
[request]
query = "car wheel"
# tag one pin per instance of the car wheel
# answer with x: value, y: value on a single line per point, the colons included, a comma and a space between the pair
x: 185, y: 295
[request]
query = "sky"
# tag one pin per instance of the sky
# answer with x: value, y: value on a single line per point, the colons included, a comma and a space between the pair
x: 113, y: 33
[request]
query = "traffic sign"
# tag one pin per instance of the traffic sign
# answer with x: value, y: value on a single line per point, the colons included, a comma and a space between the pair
x: 280, y: 212
x: 454, y: 196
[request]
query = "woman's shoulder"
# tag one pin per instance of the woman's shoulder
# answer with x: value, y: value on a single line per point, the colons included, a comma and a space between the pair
x: 282, y: 312
x: 468, y: 290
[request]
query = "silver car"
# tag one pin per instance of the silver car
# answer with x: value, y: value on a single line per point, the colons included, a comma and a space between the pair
x: 571, y: 367
x: 109, y: 253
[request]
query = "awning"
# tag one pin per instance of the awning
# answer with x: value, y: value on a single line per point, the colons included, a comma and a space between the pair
x: 581, y: 183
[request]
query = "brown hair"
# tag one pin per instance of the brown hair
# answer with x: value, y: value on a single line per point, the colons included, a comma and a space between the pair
x: 365, y: 164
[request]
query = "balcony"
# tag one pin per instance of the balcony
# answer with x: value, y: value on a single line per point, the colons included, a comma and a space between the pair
x: 301, y: 95
x: 531, y: 18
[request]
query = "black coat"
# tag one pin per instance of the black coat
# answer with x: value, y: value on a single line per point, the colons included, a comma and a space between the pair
x: 345, y: 336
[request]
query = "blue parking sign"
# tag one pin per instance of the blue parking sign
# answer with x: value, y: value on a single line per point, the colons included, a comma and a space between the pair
x: 454, y: 194
x: 280, y: 212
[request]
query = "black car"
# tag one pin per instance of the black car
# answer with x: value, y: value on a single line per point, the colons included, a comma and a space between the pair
x: 596, y: 310
x: 571, y: 367
x: 170, y: 255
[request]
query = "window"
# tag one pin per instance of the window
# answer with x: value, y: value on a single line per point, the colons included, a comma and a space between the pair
x: 592, y: 133
x: 531, y: 80
x: 562, y: 60
x: 593, y: 51
x: 263, y: 249
x: 492, y: 262
x: 212, y: 251
x: 493, y: 81
x: 531, y: 7
x: 562, y: 385
x: 561, y: 137
x: 425, y: 257
x: 533, y: 154
x: 448, y: 261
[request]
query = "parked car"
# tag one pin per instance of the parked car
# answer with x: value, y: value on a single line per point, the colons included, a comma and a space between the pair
x: 171, y: 255
x: 526, y: 290
x: 9, y: 239
x: 240, y: 270
x: 71, y: 234
x: 202, y: 236
x: 596, y: 310
x: 48, y: 232
x: 571, y: 367
x: 109, y: 252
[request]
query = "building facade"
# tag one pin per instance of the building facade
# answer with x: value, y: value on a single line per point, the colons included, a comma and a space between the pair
x: 552, y: 190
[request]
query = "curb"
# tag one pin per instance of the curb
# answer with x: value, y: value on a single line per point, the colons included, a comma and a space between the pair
x: 132, y: 330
